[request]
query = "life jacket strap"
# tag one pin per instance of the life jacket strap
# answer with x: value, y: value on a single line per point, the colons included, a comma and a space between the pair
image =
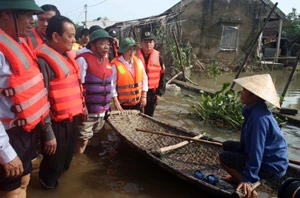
x: 130, y: 100
x: 129, y: 93
x: 67, y: 111
x: 129, y: 86
x: 24, y: 105
x: 103, y: 93
x: 64, y: 85
x: 11, y: 91
x: 66, y: 98
x: 29, y: 119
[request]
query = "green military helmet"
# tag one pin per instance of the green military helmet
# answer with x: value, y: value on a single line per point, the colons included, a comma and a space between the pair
x: 20, y: 5
x: 126, y: 44
x: 98, y: 34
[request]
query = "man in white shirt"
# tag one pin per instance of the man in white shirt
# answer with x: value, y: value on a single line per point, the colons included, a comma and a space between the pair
x: 96, y: 76
x: 23, y: 98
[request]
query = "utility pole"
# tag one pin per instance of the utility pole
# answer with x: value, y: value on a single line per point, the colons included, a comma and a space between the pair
x: 85, y: 12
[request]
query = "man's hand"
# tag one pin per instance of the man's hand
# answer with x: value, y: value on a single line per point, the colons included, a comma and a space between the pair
x: 85, y: 115
x: 13, y: 168
x: 157, y: 98
x: 50, y: 147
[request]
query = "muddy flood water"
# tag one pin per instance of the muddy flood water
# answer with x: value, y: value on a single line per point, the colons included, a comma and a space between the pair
x: 110, y: 168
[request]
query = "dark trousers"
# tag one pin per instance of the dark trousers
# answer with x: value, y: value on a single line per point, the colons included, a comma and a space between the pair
x: 24, y: 143
x: 151, y: 102
x: 53, y: 166
x: 233, y: 158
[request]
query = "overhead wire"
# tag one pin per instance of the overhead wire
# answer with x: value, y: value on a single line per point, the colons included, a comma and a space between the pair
x: 82, y: 7
x: 74, y: 10
x: 98, y: 3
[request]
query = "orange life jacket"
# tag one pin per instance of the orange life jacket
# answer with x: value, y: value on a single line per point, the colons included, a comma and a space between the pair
x: 129, y: 87
x: 153, y: 68
x: 34, y: 39
x: 26, y: 86
x: 65, y: 92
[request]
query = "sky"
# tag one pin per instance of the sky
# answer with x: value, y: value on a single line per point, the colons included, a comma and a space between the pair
x: 123, y: 10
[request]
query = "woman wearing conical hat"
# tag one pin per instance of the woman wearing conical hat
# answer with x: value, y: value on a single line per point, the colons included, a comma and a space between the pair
x: 262, y: 150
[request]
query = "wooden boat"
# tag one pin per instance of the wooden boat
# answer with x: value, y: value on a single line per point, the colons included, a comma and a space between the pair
x: 183, y: 158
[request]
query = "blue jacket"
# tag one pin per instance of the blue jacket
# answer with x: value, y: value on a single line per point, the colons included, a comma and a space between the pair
x: 263, y: 143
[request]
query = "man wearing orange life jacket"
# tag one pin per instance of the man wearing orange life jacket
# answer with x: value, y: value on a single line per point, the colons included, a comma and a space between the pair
x: 61, y: 75
x: 130, y: 81
x: 155, y: 70
x: 38, y: 35
x: 96, y: 77
x: 23, y: 97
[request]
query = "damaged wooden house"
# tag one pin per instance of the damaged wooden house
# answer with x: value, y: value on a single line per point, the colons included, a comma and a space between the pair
x: 221, y: 31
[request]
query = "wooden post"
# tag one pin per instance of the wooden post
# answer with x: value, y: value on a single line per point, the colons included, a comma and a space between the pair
x: 290, y: 77
x: 278, y: 41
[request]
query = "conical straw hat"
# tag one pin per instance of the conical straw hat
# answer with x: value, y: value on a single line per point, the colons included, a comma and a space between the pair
x: 262, y: 86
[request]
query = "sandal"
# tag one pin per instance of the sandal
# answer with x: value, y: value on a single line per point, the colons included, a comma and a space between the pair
x: 199, y: 175
x: 211, y: 179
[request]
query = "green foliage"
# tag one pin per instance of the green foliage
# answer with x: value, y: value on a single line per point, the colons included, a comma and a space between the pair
x: 223, y: 109
x: 294, y: 18
x: 170, y: 49
x: 213, y: 70
x: 185, y: 51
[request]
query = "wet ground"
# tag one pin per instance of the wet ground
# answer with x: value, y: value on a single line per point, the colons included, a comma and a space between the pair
x: 110, y: 168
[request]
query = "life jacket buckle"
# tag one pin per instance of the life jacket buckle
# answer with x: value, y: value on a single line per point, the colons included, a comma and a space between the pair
x: 8, y: 92
x: 21, y: 122
x: 16, y: 108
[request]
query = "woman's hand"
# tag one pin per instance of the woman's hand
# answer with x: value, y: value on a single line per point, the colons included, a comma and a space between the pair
x: 143, y: 101
x: 117, y: 104
x: 246, y: 188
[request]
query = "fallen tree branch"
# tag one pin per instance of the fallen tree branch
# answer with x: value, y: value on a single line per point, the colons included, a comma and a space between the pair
x: 189, y: 80
x: 178, y: 74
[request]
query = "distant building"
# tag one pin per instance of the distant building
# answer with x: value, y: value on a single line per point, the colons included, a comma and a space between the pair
x: 103, y: 23
x: 218, y: 30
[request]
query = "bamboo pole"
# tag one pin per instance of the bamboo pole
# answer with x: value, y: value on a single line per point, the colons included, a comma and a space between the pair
x: 179, y: 55
x: 179, y: 136
x: 195, y: 140
x: 294, y: 162
x: 252, y: 45
x: 278, y: 41
x: 290, y: 77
